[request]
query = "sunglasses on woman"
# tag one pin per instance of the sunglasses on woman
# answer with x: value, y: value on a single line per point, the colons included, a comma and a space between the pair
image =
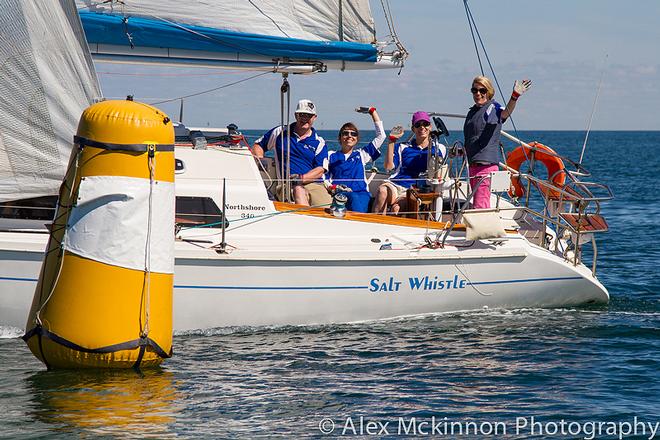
x: 482, y: 90
x: 349, y: 133
x: 422, y: 124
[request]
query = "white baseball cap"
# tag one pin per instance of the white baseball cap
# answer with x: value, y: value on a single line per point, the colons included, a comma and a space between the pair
x: 306, y: 106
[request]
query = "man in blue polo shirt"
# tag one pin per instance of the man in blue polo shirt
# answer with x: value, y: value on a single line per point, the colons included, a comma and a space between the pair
x: 308, y: 155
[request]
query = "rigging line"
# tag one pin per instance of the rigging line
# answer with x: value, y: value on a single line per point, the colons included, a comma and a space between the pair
x: 146, y: 287
x: 228, y: 72
x: 73, y: 165
x: 593, y: 110
x: 492, y: 69
x: 389, y: 12
x: 390, y: 23
x: 288, y: 142
x: 129, y: 36
x: 268, y: 17
x: 483, y: 48
x: 470, y: 281
x: 213, y: 89
x: 199, y: 34
x: 280, y: 168
x: 499, y: 88
x: 389, y: 18
x: 260, y: 165
x: 474, y: 41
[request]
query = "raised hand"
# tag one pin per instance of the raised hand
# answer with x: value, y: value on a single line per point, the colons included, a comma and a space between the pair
x: 369, y: 110
x: 395, y: 133
x: 520, y: 87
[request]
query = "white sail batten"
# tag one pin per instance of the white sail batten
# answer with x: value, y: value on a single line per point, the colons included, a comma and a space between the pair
x: 47, y: 79
x: 336, y: 33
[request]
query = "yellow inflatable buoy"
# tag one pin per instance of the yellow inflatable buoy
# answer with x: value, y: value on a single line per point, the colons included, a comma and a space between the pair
x: 104, y: 296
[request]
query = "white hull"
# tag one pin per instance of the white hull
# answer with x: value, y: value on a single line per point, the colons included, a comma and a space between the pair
x: 285, y: 268
x: 318, y: 299
x: 218, y: 290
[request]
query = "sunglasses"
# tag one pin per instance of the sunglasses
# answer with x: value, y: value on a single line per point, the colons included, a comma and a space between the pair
x: 305, y: 115
x: 422, y: 124
x: 483, y: 91
x: 349, y: 133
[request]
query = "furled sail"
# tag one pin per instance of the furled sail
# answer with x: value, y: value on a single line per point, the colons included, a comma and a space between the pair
x: 47, y: 79
x: 257, y: 34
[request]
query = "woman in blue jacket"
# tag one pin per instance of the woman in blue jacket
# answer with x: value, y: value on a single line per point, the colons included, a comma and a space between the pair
x: 482, y: 128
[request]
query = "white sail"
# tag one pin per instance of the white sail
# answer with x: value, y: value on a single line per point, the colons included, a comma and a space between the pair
x: 46, y: 80
x: 330, y: 20
x: 335, y: 33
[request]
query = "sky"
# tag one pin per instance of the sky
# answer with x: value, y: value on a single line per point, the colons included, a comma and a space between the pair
x: 564, y: 46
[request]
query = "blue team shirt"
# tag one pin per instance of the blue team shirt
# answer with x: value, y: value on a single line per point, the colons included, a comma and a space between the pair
x: 349, y: 169
x: 410, y: 161
x: 306, y: 154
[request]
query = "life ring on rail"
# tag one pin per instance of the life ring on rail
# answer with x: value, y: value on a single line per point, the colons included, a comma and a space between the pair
x: 545, y: 155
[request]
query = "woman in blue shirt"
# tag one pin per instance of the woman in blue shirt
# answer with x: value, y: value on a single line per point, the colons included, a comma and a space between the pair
x: 409, y: 161
x: 346, y: 166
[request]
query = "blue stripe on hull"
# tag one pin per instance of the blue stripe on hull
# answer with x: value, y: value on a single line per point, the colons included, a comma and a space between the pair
x: 32, y: 280
x: 272, y: 287
x: 530, y: 280
x: 278, y: 288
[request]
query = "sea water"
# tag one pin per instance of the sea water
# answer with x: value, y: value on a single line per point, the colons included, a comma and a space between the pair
x: 530, y: 373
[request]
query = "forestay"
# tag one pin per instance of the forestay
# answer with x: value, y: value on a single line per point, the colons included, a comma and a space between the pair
x: 46, y: 80
x: 337, y: 33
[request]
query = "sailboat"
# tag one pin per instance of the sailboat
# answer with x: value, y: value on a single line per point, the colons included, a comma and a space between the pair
x: 241, y: 258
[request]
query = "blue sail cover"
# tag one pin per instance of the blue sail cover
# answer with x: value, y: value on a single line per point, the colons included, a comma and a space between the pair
x: 140, y: 32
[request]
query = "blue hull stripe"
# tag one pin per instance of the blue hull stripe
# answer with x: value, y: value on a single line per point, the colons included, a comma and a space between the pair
x: 530, y: 280
x: 32, y: 280
x: 272, y: 287
x: 151, y: 33
x: 182, y: 286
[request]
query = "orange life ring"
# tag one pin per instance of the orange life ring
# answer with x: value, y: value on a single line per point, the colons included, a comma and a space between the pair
x: 543, y: 154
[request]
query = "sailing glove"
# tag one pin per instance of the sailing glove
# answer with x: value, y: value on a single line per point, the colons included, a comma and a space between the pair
x: 396, y: 133
x: 339, y: 188
x: 520, y: 87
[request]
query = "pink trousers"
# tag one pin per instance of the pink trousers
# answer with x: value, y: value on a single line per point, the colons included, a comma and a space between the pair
x: 481, y: 191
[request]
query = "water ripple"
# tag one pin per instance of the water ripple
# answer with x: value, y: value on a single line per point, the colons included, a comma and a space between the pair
x: 577, y: 364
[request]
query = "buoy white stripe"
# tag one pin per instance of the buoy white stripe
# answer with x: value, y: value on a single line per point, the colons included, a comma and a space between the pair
x: 109, y: 222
